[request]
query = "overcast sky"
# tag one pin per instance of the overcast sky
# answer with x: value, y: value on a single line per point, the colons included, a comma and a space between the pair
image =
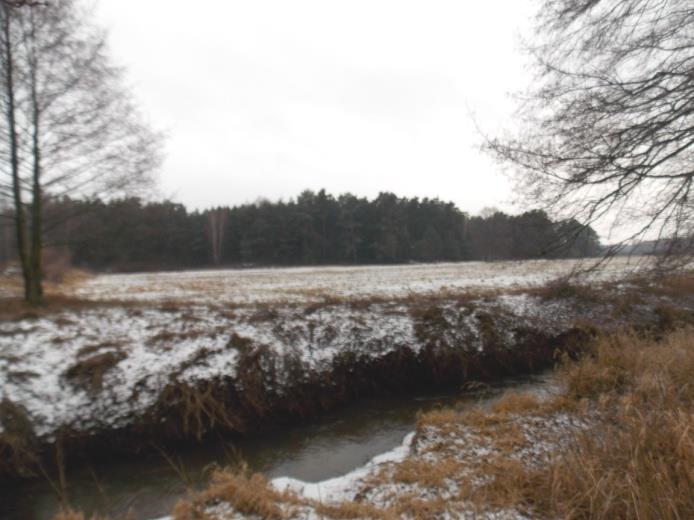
x: 266, y: 98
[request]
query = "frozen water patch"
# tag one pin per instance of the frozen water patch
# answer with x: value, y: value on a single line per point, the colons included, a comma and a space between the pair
x: 343, y: 488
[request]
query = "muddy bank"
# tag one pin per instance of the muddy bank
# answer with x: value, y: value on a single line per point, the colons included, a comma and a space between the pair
x: 77, y: 384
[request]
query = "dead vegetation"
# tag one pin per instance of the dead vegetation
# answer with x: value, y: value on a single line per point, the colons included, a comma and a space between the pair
x: 567, y: 289
x: 675, y: 285
x: 18, y: 447
x: 71, y: 514
x: 89, y: 372
x: 636, y: 460
x: 171, y: 338
x: 639, y: 462
x: 188, y: 410
x: 87, y: 350
x: 247, y: 494
x: 59, y: 277
x: 55, y: 306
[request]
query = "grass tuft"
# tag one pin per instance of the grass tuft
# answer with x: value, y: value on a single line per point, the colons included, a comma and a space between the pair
x: 18, y: 452
x: 248, y: 494
x: 89, y: 372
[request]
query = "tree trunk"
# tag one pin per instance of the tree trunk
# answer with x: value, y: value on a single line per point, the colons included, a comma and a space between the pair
x: 19, y: 217
x: 35, y: 295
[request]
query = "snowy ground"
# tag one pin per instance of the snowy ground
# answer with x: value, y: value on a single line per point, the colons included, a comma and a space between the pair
x: 307, y: 284
x: 103, y: 367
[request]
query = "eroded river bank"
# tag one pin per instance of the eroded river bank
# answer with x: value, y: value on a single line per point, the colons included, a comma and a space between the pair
x: 328, y: 446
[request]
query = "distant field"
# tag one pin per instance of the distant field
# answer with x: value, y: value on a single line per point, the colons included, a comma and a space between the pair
x: 306, y: 284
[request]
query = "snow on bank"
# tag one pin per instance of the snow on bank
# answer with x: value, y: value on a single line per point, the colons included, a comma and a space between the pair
x: 145, y: 349
x: 343, y: 488
x: 102, y: 367
x: 336, y: 490
x: 99, y: 367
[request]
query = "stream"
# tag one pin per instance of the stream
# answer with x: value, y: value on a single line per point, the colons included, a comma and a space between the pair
x: 325, y: 447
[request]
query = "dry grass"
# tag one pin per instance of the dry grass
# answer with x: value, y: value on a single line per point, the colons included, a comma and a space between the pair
x: 249, y: 495
x: 18, y: 452
x: 413, y: 506
x: 438, y: 418
x: 59, y: 279
x: 517, y: 402
x: 356, y: 510
x: 11, y: 284
x: 89, y: 372
x: 674, y: 285
x: 71, y: 514
x: 171, y: 338
x: 62, y: 280
x: 641, y: 468
x: 640, y: 462
x: 636, y: 460
x: 87, y: 350
x: 566, y: 289
x: 16, y: 309
x: 425, y: 472
x: 195, y: 410
x: 673, y: 292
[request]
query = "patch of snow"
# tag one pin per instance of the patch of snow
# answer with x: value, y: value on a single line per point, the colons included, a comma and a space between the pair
x: 345, y: 487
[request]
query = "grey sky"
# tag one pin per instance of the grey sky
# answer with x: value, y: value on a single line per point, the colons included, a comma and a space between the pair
x: 266, y: 98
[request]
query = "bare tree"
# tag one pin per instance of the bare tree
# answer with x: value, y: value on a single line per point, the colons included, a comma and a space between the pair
x: 72, y: 128
x: 606, y: 131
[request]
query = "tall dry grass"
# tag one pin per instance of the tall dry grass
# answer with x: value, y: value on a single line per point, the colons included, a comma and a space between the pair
x: 635, y: 460
x: 639, y: 461
x: 248, y: 494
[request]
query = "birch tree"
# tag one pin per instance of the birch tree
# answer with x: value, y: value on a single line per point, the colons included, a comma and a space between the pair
x: 72, y: 127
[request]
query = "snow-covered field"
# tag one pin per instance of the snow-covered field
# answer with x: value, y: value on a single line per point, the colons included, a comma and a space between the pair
x: 306, y: 284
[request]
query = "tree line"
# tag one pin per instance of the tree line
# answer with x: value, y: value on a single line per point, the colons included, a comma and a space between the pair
x: 315, y: 228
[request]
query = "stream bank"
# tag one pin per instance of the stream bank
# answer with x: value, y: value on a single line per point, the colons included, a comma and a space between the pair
x: 614, y: 440
x: 325, y: 447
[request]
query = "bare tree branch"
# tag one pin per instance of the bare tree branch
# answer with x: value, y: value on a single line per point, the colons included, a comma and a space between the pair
x: 607, y: 129
x: 75, y: 129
